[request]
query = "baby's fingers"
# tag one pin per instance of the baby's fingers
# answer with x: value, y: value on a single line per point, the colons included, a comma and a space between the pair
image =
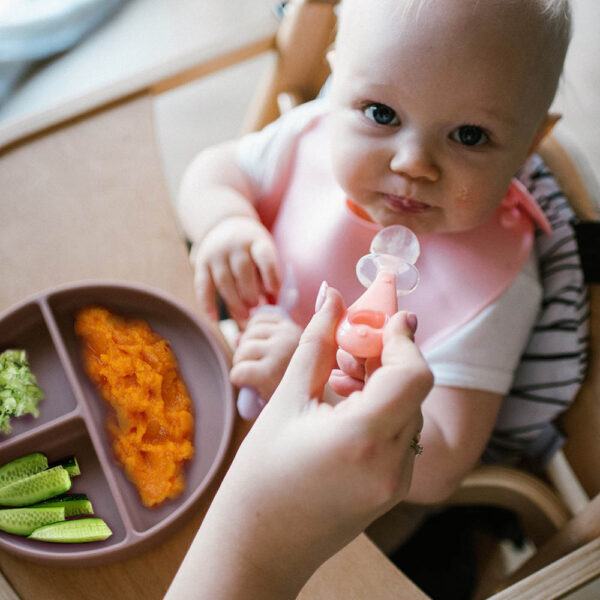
x: 206, y: 291
x: 226, y: 286
x: 244, y: 273
x: 250, y: 349
x: 252, y: 373
x: 264, y: 255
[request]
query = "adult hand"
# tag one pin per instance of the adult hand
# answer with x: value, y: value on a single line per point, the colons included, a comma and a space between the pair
x: 310, y: 476
x: 352, y: 373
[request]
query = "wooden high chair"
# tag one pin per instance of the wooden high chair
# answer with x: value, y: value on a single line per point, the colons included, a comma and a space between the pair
x: 560, y: 513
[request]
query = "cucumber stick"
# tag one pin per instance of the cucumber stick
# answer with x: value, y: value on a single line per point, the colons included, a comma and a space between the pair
x: 35, y: 488
x: 21, y: 467
x: 74, y: 504
x: 22, y: 521
x: 38, y: 492
x: 91, y: 529
x: 70, y: 464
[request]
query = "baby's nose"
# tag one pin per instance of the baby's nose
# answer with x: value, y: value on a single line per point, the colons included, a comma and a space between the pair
x: 414, y: 159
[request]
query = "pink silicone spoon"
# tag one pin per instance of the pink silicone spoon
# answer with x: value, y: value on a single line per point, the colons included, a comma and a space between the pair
x: 387, y: 272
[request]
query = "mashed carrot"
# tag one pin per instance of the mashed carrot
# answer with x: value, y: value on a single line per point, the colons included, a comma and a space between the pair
x: 151, y: 424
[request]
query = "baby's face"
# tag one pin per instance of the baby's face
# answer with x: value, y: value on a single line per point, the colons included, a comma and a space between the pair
x: 431, y: 118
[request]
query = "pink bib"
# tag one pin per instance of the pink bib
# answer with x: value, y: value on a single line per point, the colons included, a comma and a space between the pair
x: 461, y: 273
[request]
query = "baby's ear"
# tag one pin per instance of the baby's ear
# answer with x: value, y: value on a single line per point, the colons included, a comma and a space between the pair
x: 550, y: 120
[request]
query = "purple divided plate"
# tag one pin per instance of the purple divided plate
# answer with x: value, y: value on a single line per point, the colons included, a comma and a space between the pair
x: 72, y: 414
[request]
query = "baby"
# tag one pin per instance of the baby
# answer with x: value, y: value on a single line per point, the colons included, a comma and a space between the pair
x: 434, y: 106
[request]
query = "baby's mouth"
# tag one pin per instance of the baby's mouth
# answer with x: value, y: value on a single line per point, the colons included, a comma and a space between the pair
x: 406, y: 204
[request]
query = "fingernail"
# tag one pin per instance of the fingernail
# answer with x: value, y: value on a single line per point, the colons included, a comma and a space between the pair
x: 321, y: 296
x: 411, y: 321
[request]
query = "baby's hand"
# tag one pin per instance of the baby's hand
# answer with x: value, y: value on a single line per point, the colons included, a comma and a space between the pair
x: 264, y: 351
x: 237, y: 259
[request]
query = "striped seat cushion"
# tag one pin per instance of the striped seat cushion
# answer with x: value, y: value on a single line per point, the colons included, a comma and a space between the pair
x: 553, y: 364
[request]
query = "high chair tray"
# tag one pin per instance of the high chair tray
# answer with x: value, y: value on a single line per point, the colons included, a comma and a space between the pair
x: 72, y: 414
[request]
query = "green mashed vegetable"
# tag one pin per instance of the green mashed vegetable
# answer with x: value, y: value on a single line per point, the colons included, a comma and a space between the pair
x: 19, y: 391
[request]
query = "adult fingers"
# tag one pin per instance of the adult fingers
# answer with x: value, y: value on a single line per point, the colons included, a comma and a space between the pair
x: 402, y: 323
x: 371, y: 365
x: 314, y: 358
x: 352, y: 366
x: 344, y: 385
x: 405, y: 449
x: 393, y: 394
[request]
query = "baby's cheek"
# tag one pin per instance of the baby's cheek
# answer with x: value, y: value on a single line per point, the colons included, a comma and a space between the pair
x: 470, y: 208
x: 349, y: 168
x: 343, y: 173
x: 346, y: 149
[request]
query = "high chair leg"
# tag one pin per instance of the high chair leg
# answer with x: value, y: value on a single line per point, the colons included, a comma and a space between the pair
x: 561, y: 474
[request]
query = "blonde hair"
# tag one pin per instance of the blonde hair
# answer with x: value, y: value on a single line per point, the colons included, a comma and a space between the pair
x: 556, y: 15
x: 552, y: 16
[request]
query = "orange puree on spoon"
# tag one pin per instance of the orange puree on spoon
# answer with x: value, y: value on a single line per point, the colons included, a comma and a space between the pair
x: 151, y: 424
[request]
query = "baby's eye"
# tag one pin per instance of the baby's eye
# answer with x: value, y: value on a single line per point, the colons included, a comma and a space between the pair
x: 469, y: 135
x: 381, y: 114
